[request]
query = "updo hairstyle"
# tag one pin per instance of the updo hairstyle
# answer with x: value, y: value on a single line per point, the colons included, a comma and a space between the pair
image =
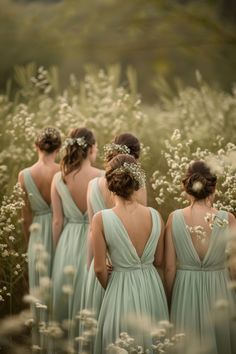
x: 121, y: 182
x: 48, y: 140
x: 76, y: 153
x: 199, y: 181
x: 128, y: 140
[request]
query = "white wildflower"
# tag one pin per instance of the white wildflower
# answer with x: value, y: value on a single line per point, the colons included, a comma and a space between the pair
x: 69, y: 270
x: 67, y: 289
x: 35, y: 227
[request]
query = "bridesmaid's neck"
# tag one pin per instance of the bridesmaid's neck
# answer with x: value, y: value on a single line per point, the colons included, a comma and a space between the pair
x: 125, y: 203
x: 203, y: 203
x: 47, y: 158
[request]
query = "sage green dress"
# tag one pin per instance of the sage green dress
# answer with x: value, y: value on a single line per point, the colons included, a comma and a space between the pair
x: 134, y: 299
x: 94, y: 290
x: 71, y: 251
x: 41, y: 233
x: 203, y: 306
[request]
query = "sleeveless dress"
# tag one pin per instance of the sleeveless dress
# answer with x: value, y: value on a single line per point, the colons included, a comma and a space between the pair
x: 202, y: 304
x: 134, y: 299
x: 41, y: 239
x: 70, y: 254
x: 94, y: 290
x: 42, y: 216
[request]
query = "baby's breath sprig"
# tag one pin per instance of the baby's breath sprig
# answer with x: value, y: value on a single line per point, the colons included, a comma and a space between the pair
x: 110, y: 148
x: 49, y: 132
x: 135, y: 171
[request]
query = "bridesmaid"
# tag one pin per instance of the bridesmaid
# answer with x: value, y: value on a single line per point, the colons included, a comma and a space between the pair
x: 132, y: 234
x: 195, y: 273
x: 98, y: 198
x: 36, y: 182
x: 70, y: 222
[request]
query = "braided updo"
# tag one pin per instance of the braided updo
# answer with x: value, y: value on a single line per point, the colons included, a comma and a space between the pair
x: 48, y: 140
x: 121, y: 181
x: 75, y: 153
x: 199, y: 181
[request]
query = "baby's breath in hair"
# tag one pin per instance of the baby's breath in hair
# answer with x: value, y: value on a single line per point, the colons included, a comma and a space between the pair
x: 121, y: 149
x: 79, y: 141
x: 135, y: 171
x: 49, y: 132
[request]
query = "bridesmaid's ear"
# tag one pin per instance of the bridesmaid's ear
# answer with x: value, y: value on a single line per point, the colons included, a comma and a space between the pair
x: 212, y: 196
x: 36, y: 148
x: 93, y: 153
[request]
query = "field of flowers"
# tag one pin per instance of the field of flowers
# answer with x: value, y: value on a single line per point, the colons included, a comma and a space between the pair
x: 194, y: 123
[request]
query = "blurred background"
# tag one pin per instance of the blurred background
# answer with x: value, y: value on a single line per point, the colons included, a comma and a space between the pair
x: 168, y: 39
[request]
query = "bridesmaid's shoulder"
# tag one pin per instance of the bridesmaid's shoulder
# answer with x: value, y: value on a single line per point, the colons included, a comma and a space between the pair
x: 231, y: 220
x: 153, y: 210
x: 98, y: 218
x: 57, y: 175
x: 21, y: 175
x: 97, y: 172
x: 172, y: 214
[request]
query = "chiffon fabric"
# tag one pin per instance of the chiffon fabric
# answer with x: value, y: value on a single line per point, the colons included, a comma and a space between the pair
x: 203, y: 306
x: 40, y: 252
x: 69, y: 268
x: 134, y: 299
x: 94, y: 290
x: 40, y: 240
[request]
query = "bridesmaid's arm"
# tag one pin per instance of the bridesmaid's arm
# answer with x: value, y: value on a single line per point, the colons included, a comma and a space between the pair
x: 99, y: 250
x: 58, y: 216
x: 26, y: 212
x: 90, y: 216
x: 231, y: 261
x: 170, y: 260
x: 159, y: 254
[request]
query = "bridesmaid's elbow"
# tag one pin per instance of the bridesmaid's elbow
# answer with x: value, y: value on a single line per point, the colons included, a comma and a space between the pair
x: 98, y: 270
x: 170, y: 269
x: 57, y: 223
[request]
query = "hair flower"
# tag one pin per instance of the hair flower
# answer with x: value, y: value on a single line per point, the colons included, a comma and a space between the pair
x: 81, y: 141
x: 135, y: 171
x: 121, y: 149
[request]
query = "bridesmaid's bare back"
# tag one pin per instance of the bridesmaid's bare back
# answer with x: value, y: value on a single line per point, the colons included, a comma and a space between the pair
x: 42, y: 175
x: 77, y: 184
x: 199, y: 228
x: 138, y: 225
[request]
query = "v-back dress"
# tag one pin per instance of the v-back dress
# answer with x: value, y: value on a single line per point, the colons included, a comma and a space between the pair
x: 70, y: 255
x: 134, y: 300
x: 94, y: 290
x: 41, y: 233
x: 202, y: 303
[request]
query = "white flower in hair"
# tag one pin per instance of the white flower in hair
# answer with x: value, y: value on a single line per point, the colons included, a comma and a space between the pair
x: 81, y: 141
x: 121, y: 149
x: 135, y: 171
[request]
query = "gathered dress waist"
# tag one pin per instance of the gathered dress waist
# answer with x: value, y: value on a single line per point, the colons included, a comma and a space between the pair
x: 201, y: 268
x: 43, y: 212
x: 140, y: 266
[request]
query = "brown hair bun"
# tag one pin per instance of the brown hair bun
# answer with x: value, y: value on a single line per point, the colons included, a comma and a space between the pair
x: 129, y: 144
x: 121, y: 180
x: 48, y: 140
x: 199, y: 181
x: 76, y: 149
